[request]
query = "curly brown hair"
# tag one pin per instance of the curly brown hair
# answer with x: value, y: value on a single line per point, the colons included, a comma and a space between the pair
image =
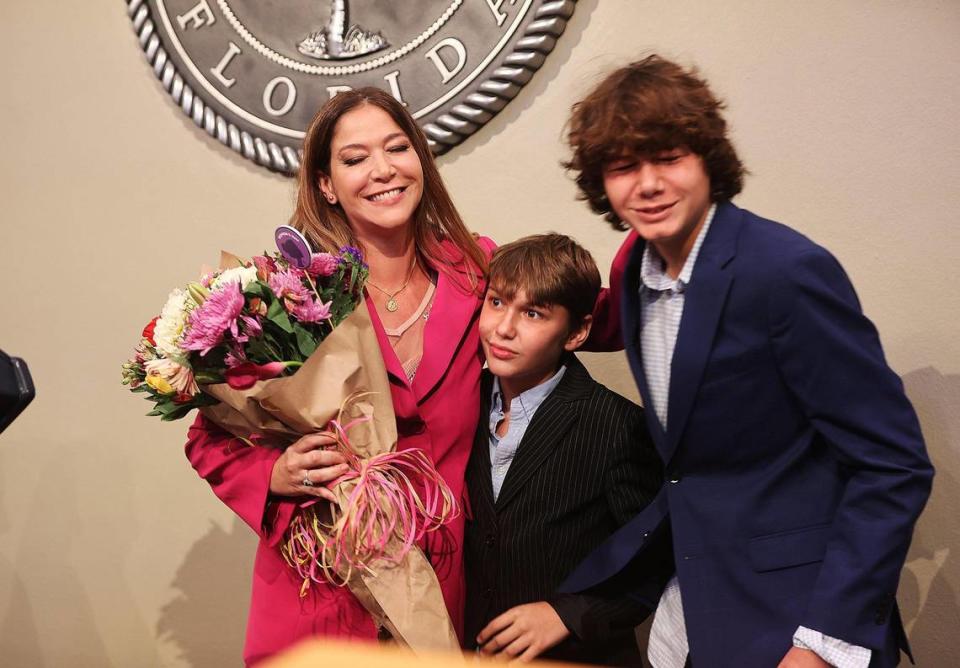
x: 644, y: 108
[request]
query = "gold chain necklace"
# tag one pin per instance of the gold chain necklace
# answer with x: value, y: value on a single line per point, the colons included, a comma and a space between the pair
x: 392, y: 304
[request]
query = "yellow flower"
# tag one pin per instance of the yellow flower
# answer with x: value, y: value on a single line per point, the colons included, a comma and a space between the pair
x: 159, y: 384
x: 176, y: 378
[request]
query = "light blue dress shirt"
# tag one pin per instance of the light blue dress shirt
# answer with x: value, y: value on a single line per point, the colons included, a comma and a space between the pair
x: 522, y: 408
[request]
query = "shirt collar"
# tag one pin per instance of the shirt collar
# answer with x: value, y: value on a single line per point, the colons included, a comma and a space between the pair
x: 526, y: 403
x: 653, y: 269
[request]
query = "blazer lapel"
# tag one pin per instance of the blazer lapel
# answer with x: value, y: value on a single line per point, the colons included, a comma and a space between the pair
x: 444, y: 335
x: 630, y: 308
x: 478, y: 469
x: 702, y: 308
x: 550, y: 423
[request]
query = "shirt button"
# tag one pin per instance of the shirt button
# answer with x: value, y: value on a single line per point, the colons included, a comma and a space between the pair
x: 490, y: 540
x: 674, y: 478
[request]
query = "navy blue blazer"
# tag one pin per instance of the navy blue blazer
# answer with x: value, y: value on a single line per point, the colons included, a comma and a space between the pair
x: 795, y: 465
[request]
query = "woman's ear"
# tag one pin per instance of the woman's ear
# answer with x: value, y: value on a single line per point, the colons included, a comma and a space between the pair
x: 579, y: 334
x: 326, y: 187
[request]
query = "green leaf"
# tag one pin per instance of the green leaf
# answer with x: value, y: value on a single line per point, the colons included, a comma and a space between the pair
x: 177, y: 413
x: 208, y: 377
x: 256, y: 289
x: 278, y: 316
x: 305, y: 340
x: 353, y: 276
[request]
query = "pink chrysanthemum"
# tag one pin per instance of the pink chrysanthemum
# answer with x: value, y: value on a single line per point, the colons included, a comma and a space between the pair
x: 323, y: 264
x: 288, y: 286
x: 297, y: 298
x: 235, y: 358
x: 312, y: 310
x: 215, y: 316
x: 251, y: 326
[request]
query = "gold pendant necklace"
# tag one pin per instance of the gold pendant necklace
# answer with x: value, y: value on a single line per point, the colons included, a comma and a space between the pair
x: 392, y: 304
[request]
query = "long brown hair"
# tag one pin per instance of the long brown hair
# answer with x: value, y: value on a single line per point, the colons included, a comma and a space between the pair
x: 435, y: 219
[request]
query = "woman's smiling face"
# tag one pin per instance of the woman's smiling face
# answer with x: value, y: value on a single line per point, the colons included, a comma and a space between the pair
x: 375, y: 173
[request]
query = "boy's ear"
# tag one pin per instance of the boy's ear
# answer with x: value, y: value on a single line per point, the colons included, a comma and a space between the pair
x: 579, y: 334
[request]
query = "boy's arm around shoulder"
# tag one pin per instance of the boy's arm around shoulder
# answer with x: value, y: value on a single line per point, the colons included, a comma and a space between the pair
x: 606, y: 334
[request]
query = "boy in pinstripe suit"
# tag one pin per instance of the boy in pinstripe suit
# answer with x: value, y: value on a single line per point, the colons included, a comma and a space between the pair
x: 559, y: 463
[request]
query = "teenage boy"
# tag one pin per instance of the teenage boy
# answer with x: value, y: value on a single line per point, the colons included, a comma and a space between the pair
x: 795, y: 464
x: 559, y: 463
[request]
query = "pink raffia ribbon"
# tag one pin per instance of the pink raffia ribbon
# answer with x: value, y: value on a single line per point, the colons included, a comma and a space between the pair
x: 390, y: 501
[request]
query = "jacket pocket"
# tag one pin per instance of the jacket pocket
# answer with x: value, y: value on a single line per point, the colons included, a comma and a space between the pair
x: 788, y: 548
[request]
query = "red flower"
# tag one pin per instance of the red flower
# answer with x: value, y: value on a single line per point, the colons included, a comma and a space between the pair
x: 148, y: 331
x: 243, y: 376
x: 265, y: 266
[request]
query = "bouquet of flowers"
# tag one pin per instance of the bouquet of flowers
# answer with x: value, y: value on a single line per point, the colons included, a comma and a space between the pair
x: 270, y: 351
x: 252, y: 321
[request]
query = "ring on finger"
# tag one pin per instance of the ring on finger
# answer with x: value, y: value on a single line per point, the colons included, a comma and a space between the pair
x: 306, y: 479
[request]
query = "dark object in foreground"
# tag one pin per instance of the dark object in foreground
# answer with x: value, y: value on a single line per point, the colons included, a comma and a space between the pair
x: 16, y: 388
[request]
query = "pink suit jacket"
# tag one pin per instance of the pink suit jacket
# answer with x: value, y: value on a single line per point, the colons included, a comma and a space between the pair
x: 437, y: 413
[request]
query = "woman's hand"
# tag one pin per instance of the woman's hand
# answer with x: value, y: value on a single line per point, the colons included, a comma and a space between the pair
x: 308, y: 460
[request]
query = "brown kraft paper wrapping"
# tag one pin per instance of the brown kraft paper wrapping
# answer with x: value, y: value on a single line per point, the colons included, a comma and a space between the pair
x: 405, y: 598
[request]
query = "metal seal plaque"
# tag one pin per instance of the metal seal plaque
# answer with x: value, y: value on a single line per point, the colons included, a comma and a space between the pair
x: 252, y: 73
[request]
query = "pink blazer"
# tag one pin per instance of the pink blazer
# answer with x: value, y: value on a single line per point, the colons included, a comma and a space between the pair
x: 437, y: 412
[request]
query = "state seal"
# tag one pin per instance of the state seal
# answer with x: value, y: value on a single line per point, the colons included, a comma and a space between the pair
x: 252, y: 73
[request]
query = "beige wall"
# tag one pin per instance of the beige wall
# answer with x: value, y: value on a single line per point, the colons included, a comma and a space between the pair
x: 112, y: 552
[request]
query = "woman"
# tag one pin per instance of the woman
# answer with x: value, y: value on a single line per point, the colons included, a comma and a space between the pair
x: 367, y: 180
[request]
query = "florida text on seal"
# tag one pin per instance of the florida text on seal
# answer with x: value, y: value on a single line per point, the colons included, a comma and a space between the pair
x: 253, y: 72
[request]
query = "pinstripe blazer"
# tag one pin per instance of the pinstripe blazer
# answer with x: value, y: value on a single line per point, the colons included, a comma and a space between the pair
x: 584, y: 467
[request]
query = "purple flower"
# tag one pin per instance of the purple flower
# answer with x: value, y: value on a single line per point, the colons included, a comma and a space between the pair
x: 323, y: 264
x: 351, y: 254
x: 208, y: 323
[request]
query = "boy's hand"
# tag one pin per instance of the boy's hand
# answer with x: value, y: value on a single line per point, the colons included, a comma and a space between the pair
x: 523, y: 632
x: 802, y: 658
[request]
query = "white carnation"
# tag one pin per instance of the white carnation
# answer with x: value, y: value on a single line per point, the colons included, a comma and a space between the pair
x: 173, y: 319
x: 245, y: 275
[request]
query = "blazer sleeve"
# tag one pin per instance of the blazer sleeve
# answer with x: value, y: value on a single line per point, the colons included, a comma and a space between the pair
x: 606, y: 334
x: 829, y: 355
x: 634, y: 472
x: 239, y: 475
x: 634, y: 475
